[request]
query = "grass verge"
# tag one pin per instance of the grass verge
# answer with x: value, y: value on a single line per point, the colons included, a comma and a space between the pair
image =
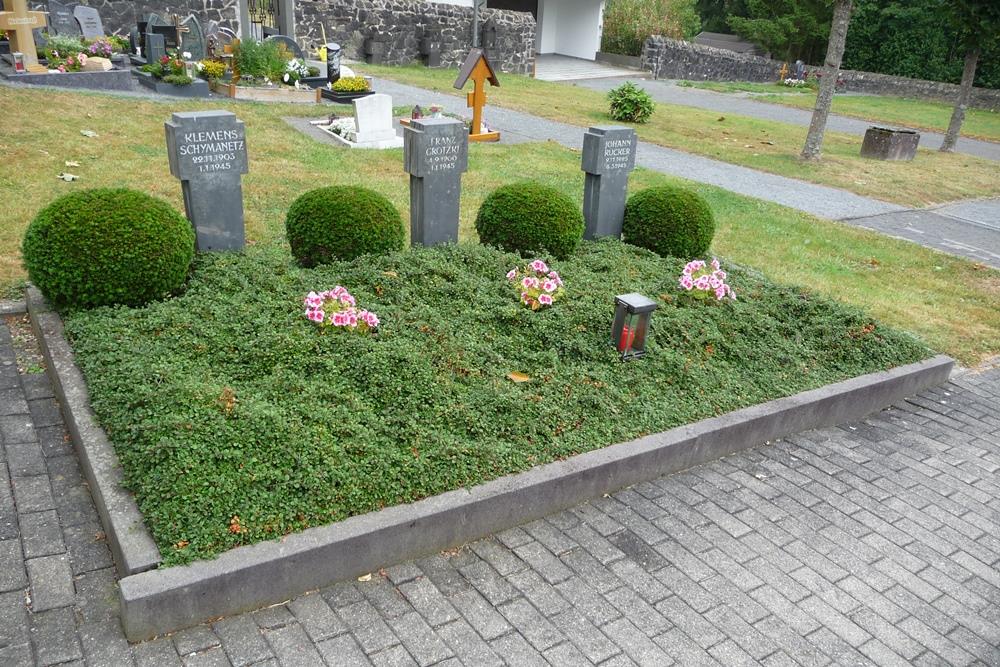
x: 920, y: 114
x: 237, y: 420
x: 951, y: 303
x: 770, y: 146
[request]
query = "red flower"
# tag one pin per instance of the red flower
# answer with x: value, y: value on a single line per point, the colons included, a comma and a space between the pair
x: 164, y: 60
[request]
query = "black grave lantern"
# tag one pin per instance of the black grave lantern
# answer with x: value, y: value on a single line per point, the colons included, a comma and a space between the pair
x: 631, y: 325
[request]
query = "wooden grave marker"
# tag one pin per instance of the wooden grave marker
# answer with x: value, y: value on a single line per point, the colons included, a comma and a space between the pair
x: 477, y: 67
x: 19, y: 22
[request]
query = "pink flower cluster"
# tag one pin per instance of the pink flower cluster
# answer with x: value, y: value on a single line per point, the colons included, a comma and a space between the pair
x: 702, y: 280
x: 337, y: 308
x: 537, y: 284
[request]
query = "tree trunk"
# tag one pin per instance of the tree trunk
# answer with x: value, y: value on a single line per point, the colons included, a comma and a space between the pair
x: 831, y: 70
x: 964, y: 93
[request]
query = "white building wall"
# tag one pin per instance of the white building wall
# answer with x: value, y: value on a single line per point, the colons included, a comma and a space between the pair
x: 570, y: 27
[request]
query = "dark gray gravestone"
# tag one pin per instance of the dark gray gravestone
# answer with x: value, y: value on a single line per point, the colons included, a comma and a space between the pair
x: 208, y: 153
x: 290, y: 45
x: 800, y: 70
x: 435, y: 154
x: 90, y: 21
x: 155, y: 48
x: 61, y: 19
x: 608, y: 157
x: 193, y: 38
x: 171, y: 37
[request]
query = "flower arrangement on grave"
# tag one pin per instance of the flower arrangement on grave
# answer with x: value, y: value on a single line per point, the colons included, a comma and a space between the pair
x: 100, y: 47
x: 351, y: 84
x: 536, y: 284
x: 211, y: 70
x: 796, y: 83
x: 295, y: 69
x: 704, y: 281
x: 337, y: 308
x: 170, y: 68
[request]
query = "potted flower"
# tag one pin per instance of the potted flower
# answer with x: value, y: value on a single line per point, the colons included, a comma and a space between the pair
x: 346, y: 89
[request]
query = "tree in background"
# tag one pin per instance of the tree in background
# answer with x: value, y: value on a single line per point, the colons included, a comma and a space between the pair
x: 628, y: 23
x: 831, y: 68
x: 978, y: 26
x: 715, y: 13
x: 789, y: 29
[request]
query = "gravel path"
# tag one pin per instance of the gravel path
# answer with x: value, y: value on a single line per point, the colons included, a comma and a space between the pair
x: 873, y: 543
x: 668, y: 91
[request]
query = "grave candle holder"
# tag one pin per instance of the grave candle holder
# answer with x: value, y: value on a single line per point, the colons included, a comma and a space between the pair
x: 631, y: 325
x: 18, y: 62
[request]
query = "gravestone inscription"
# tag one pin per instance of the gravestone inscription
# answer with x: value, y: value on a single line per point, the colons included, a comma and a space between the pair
x: 62, y: 22
x: 608, y: 158
x: 90, y: 21
x: 208, y: 154
x: 435, y: 154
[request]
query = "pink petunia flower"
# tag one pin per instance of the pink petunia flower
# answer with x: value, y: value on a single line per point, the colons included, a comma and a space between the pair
x: 702, y: 283
x: 720, y: 292
x: 512, y: 274
x: 686, y: 282
x: 550, y: 286
x: 529, y: 282
x: 545, y: 299
x: 540, y: 266
x: 715, y: 263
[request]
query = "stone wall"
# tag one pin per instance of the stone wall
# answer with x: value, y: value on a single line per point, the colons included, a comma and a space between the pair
x: 400, y: 25
x: 673, y: 59
x: 120, y: 16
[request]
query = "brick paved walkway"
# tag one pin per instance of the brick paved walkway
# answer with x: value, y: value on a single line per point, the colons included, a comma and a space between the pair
x: 877, y: 542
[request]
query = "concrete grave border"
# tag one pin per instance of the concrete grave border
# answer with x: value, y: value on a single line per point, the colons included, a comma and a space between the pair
x: 158, y: 601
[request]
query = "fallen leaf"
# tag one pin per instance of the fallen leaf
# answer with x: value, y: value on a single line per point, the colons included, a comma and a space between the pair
x: 88, y: 133
x: 721, y: 118
x: 365, y: 577
x: 67, y: 177
x: 391, y: 274
x: 769, y: 143
x: 519, y: 377
x: 181, y: 544
x: 70, y: 163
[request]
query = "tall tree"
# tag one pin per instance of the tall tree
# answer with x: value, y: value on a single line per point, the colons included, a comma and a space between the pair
x: 831, y: 69
x: 978, y: 25
x: 789, y: 29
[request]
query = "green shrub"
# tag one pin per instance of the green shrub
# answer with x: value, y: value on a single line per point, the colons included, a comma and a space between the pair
x: 630, y: 103
x: 259, y: 60
x: 178, y: 79
x: 107, y: 246
x: 669, y: 221
x: 342, y: 222
x: 529, y: 217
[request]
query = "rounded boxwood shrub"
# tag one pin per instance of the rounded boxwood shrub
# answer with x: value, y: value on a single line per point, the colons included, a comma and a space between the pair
x: 342, y: 222
x: 630, y: 103
x: 528, y: 217
x: 669, y: 221
x: 108, y: 246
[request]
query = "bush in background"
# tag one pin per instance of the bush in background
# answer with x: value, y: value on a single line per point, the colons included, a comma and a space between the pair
x: 107, y: 246
x: 669, y: 221
x: 529, y: 217
x: 630, y: 103
x: 628, y: 23
x: 342, y: 222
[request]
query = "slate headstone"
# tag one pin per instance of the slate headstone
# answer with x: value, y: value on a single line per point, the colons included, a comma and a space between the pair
x: 800, y: 70
x: 61, y: 19
x: 90, y: 21
x: 171, y: 38
x: 608, y: 157
x: 290, y: 45
x: 435, y: 154
x: 207, y: 152
x: 155, y: 48
x: 193, y: 38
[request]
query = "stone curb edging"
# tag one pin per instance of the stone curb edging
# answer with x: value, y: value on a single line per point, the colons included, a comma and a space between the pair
x: 13, y: 308
x: 254, y: 576
x: 131, y: 545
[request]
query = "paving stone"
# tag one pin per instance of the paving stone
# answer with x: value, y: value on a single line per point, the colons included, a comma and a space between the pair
x: 193, y: 640
x: 394, y: 656
x: 45, y: 412
x: 402, y: 573
x: 386, y: 598
x: 419, y: 639
x: 638, y: 611
x: 565, y: 655
x: 55, y: 441
x: 429, y: 602
x: 542, y: 561
x: 316, y: 617
x: 88, y: 548
x: 585, y: 636
x: 33, y: 494
x: 498, y: 556
x: 467, y: 645
x: 635, y: 643
x: 156, y: 653
x: 242, y: 640
x: 16, y: 654
x: 36, y: 385
x: 342, y: 651
x: 12, y: 574
x: 480, y: 614
x: 292, y: 646
x: 75, y: 506
x: 517, y: 651
x: 13, y: 619
x: 273, y: 617
x: 531, y: 624
x: 368, y: 627
x: 104, y: 645
x: 17, y: 428
x: 51, y: 582
x: 97, y: 596
x: 25, y: 459
x: 41, y: 534
x: 213, y: 657
x: 54, y: 636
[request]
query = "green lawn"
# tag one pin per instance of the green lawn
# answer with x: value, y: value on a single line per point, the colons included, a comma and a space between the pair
x: 919, y: 114
x: 952, y: 304
x: 933, y: 177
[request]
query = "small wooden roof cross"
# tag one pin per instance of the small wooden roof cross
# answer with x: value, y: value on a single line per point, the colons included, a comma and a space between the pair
x: 476, y: 63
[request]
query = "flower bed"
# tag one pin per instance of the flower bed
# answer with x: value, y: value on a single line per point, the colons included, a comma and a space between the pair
x: 237, y: 419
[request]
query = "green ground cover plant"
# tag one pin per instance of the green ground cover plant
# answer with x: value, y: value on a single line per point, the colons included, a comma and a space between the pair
x: 237, y: 420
